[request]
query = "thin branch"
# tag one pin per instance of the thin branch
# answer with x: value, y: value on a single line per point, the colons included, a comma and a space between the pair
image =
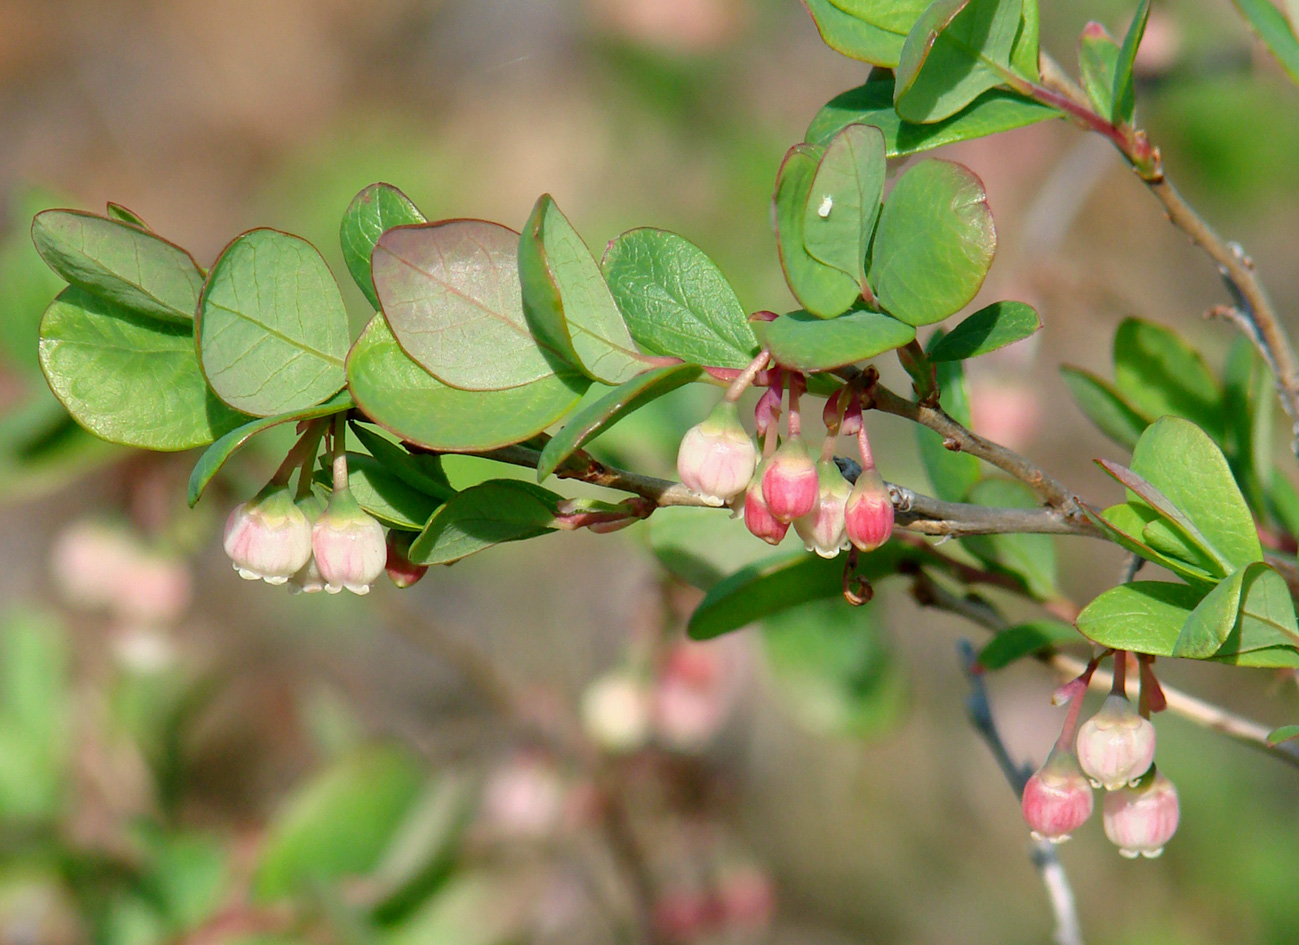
x: 1044, y: 856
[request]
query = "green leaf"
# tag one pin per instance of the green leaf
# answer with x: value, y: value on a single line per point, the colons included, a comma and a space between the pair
x: 780, y: 582
x: 870, y: 30
x: 35, y: 716
x: 118, y: 212
x: 1161, y: 375
x: 1249, y: 405
x: 422, y: 471
x: 568, y: 305
x: 382, y: 493
x: 1213, y: 619
x: 934, y: 243
x: 492, y: 512
x: 1029, y: 557
x: 1178, y: 458
x: 822, y: 290
x: 339, y: 824
x: 991, y: 327
x: 1127, y: 523
x: 1283, y: 734
x: 1025, y: 639
x: 1123, y: 94
x: 802, y: 342
x: 844, y: 202
x: 703, y: 546
x: 120, y: 263
x: 872, y: 104
x: 215, y: 456
x: 1267, y: 618
x: 471, y: 908
x: 1026, y: 53
x: 957, y: 50
x: 375, y: 210
x: 128, y: 378
x: 1270, y: 26
x: 1098, y: 59
x: 1104, y: 406
x: 450, y: 292
x: 599, y: 415
x: 407, y: 401
x: 833, y: 667
x: 272, y: 330
x: 951, y: 472
x: 188, y: 876
x: 1184, y: 533
x: 675, y: 300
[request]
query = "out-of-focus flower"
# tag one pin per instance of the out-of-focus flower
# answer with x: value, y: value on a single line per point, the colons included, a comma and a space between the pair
x: 616, y: 711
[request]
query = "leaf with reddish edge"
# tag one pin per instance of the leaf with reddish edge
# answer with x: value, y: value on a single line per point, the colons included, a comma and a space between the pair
x: 844, y: 201
x: 1122, y: 523
x: 1098, y: 58
x: 451, y: 294
x: 598, y: 416
x: 1283, y: 734
x: 1123, y: 94
x: 934, y: 243
x: 375, y: 210
x: 822, y: 290
x: 215, y: 456
x: 870, y: 30
x: 400, y: 396
x: 568, y: 304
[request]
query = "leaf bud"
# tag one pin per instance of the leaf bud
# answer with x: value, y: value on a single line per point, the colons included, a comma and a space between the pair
x: 1116, y: 745
x: 717, y: 457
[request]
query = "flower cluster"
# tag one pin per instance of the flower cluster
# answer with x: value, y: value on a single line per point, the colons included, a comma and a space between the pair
x: 311, y: 545
x: 1115, y: 749
x: 718, y: 459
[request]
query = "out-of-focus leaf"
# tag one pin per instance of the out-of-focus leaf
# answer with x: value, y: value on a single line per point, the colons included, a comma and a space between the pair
x: 1283, y: 734
x: 991, y: 327
x: 375, y: 210
x: 1104, y: 406
x: 1270, y: 26
x: 412, y: 404
x: 272, y: 329
x: 472, y: 909
x: 872, y: 104
x: 675, y: 300
x: 1029, y: 557
x: 129, y: 378
x: 188, y: 876
x: 1249, y: 406
x: 35, y: 716
x: 426, y: 839
x: 934, y: 243
x: 952, y: 472
x: 1161, y: 375
x: 802, y: 342
x: 703, y: 546
x: 1124, y: 96
x: 1025, y: 639
x: 487, y: 514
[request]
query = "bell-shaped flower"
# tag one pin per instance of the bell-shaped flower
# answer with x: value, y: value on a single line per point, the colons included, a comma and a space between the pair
x: 348, y: 544
x: 757, y: 517
x: 401, y: 570
x: 1057, y: 798
x: 268, y: 537
x: 823, y: 528
x: 1141, y: 820
x: 868, y: 514
x: 1116, y: 745
x: 789, y: 483
x: 717, y: 457
x: 308, y: 579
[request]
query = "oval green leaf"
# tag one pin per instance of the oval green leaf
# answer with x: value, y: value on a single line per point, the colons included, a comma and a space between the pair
x: 822, y: 290
x: 991, y: 327
x: 375, y: 210
x: 1026, y: 639
x: 934, y: 243
x: 1162, y: 375
x: 382, y: 493
x: 802, y: 342
x: 487, y: 514
x: 215, y: 456
x: 844, y: 201
x: 403, y: 398
x: 568, y: 305
x: 600, y: 415
x: 870, y: 30
x: 675, y: 300
x: 450, y: 292
x: 127, y: 377
x: 272, y: 330
x: 1111, y: 412
x: 120, y: 262
x: 956, y: 50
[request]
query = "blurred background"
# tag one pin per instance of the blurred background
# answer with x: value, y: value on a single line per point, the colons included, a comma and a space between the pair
x: 523, y: 748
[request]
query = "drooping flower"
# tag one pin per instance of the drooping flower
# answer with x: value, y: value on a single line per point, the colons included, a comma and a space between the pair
x: 868, y: 514
x: 1116, y: 745
x: 789, y: 483
x: 308, y: 579
x: 1057, y: 798
x: 823, y: 528
x: 757, y: 516
x: 717, y: 457
x: 401, y: 570
x: 268, y: 537
x: 1141, y: 820
x: 348, y: 544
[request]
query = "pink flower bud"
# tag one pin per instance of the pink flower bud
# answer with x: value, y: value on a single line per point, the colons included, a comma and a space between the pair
x: 716, y: 457
x: 1116, y: 745
x: 757, y: 517
x: 822, y: 529
x: 401, y: 570
x: 1057, y: 798
x: 1140, y: 820
x: 868, y: 515
x: 789, y: 483
x: 348, y: 544
x: 268, y: 537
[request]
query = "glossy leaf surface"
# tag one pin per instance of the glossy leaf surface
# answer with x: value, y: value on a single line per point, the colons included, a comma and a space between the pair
x: 484, y: 515
x: 991, y: 327
x: 822, y: 290
x: 844, y: 201
x: 375, y: 210
x: 802, y: 342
